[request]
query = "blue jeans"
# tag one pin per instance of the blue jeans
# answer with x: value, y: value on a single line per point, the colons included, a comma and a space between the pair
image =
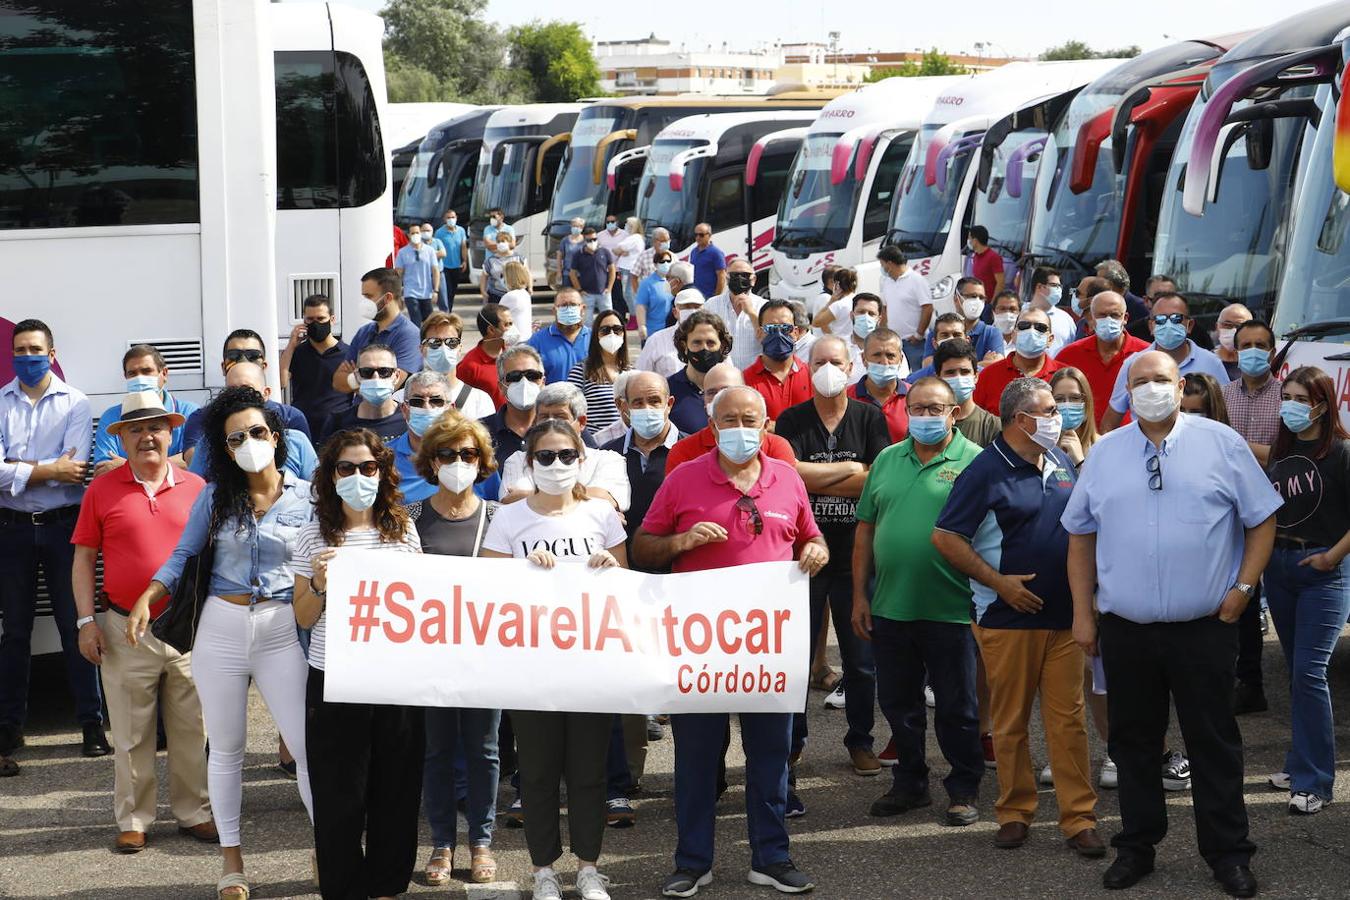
x: 618, y: 776
x: 904, y: 651
x: 475, y: 731
x: 22, y: 547
x: 596, y: 303
x: 835, y: 591
x: 419, y: 308
x: 913, y: 354
x: 698, y: 750
x: 1308, y: 608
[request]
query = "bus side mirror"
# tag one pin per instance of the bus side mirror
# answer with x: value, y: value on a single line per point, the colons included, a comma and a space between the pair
x: 1260, y: 136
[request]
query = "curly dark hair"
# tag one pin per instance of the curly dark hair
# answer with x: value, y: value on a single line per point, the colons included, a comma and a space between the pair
x: 231, y: 501
x: 693, y: 320
x: 391, y: 517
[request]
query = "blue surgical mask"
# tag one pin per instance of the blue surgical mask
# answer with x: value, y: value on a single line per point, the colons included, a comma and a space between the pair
x: 1076, y: 305
x: 1054, y: 295
x: 377, y: 390
x: 419, y: 420
x: 611, y: 226
x: 1108, y: 330
x: 1169, y: 335
x: 576, y: 229
x: 1071, y: 415
x: 359, y: 491
x: 881, y: 373
x: 663, y: 269
x: 739, y: 444
x: 1254, y: 361
x: 962, y: 385
x: 32, y: 369
x: 777, y: 346
x: 442, y: 359
x: 569, y: 315
x: 1031, y: 343
x: 139, y: 383
x: 1296, y: 415
x: 929, y: 430
x: 863, y: 325
x: 648, y: 423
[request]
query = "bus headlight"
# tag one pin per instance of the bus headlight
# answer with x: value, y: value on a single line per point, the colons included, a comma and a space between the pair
x: 944, y: 287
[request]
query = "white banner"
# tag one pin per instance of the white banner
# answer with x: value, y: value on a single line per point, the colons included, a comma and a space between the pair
x: 455, y: 631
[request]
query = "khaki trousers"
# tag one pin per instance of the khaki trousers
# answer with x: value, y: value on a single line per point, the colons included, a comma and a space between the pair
x: 135, y: 681
x: 1021, y: 663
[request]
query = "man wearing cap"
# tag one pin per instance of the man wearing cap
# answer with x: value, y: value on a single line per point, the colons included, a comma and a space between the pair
x: 134, y: 514
x: 658, y: 354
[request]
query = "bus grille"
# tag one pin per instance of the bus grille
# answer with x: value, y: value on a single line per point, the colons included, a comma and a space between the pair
x: 184, y: 357
x: 303, y: 286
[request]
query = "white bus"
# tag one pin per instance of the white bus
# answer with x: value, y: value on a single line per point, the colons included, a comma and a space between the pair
x: 405, y: 125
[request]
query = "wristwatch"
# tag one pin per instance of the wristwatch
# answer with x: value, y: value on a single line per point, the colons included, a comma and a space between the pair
x: 83, y: 621
x: 1247, y: 589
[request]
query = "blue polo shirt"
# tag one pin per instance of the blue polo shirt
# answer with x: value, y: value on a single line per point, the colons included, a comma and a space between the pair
x: 402, y: 336
x: 453, y: 242
x: 688, y: 414
x: 418, y: 265
x: 412, y: 485
x: 1010, y: 512
x: 707, y: 263
x: 560, y: 354
x: 290, y: 418
x: 107, y: 446
x: 1198, y: 360
x: 985, y: 338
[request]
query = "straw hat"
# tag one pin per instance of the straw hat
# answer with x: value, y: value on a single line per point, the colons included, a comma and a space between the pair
x: 144, y: 405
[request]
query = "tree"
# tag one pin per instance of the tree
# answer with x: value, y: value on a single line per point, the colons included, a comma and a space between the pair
x: 450, y: 41
x: 1074, y: 49
x: 933, y: 63
x: 557, y: 60
x: 410, y: 83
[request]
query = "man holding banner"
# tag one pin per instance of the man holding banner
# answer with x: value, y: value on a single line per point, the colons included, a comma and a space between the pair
x: 733, y: 506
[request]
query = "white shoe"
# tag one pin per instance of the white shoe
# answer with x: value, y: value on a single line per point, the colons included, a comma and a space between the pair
x: 1047, y: 777
x: 547, y: 886
x: 929, y: 700
x: 1176, y: 771
x: 591, y: 885
x: 835, y: 698
x: 1280, y: 781
x: 1302, y: 803
x: 1110, y: 777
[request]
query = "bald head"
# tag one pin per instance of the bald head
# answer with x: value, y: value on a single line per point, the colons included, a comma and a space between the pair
x: 739, y: 407
x: 722, y: 375
x: 741, y: 265
x: 1233, y: 315
x: 644, y: 383
x: 831, y: 346
x: 246, y: 374
x: 1155, y: 366
x: 1108, y: 303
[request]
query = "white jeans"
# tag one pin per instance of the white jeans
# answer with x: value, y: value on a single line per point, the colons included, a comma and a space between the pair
x: 233, y: 644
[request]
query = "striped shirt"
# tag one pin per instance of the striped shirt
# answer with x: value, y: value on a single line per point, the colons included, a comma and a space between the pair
x: 601, y: 411
x: 1254, y: 414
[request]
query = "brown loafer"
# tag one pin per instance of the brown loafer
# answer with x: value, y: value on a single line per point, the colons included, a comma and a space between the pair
x: 204, y: 832
x: 1087, y: 843
x: 1011, y: 835
x: 129, y: 842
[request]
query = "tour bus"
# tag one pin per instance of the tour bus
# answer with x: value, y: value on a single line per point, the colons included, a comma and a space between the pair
x: 1229, y: 192
x: 522, y: 149
x: 441, y: 176
x: 839, y: 192
x: 623, y: 128
x: 405, y: 125
x: 932, y: 209
x: 726, y: 169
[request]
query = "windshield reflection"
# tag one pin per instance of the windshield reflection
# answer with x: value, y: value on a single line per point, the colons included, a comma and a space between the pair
x: 813, y: 214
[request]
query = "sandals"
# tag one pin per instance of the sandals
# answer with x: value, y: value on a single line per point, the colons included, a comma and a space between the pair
x: 482, y: 867
x: 439, y: 866
x: 825, y: 679
x: 233, y: 886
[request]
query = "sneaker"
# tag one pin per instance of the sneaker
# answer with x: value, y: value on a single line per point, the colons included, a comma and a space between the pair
x: 1176, y: 771
x: 655, y: 730
x: 835, y: 698
x: 864, y: 762
x: 961, y: 813
x: 619, y: 813
x: 987, y: 742
x: 893, y: 803
x: 928, y: 699
x: 1280, y: 781
x: 783, y: 877
x: 685, y: 883
x: 1110, y: 777
x: 591, y: 885
x: 795, y: 807
x: 515, y: 814
x: 887, y: 756
x: 1249, y: 698
x: 1046, y: 776
x: 1303, y: 803
x: 287, y: 769
x: 546, y: 885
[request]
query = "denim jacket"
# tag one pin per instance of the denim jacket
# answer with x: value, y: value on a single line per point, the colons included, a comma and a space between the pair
x: 255, y: 560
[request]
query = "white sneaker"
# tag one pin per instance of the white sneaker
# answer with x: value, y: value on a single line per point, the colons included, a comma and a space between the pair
x: 1176, y: 771
x: 835, y: 698
x: 591, y: 885
x: 929, y: 700
x: 1110, y: 777
x: 547, y: 886
x: 1280, y: 781
x: 1302, y: 803
x: 1047, y: 777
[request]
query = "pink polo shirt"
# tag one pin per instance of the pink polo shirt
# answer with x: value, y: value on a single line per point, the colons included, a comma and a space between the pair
x: 701, y: 492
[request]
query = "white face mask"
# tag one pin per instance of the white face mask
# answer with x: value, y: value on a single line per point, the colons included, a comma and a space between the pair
x: 415, y: 237
x: 611, y: 343
x: 682, y: 314
x: 1047, y: 431
x: 511, y: 336
x: 971, y: 309
x: 253, y: 455
x: 522, y: 394
x: 367, y: 308
x: 1226, y: 337
x: 556, y: 479
x: 829, y: 380
x: 503, y: 247
x: 1005, y: 321
x: 426, y: 237
x: 457, y: 477
x: 495, y: 221
x: 1153, y: 401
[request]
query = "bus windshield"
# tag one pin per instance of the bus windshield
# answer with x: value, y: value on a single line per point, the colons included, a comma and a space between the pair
x: 815, y: 215
x: 577, y: 193
x: 421, y: 200
x: 997, y: 209
x: 660, y: 206
x: 510, y: 188
x: 1316, y: 284
x: 922, y: 217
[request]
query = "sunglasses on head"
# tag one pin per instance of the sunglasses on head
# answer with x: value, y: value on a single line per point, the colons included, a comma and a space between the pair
x: 376, y: 371
x: 464, y: 454
x: 1039, y: 326
x: 611, y: 329
x: 427, y: 402
x: 1174, y: 318
x: 238, y: 354
x: 434, y: 343
x: 235, y: 439
x: 548, y: 457
x: 369, y: 468
x: 529, y: 374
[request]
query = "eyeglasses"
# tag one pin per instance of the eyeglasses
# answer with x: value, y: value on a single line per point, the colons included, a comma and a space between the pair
x: 932, y: 409
x: 1039, y: 326
x: 236, y: 354
x: 370, y: 468
x: 377, y: 371
x: 1164, y: 318
x: 702, y: 234
x: 235, y: 439
x: 435, y: 343
x: 1154, y: 467
x: 464, y: 454
x: 778, y: 328
x: 548, y: 457
x: 611, y: 329
x: 428, y: 402
x: 528, y: 374
x: 747, y: 505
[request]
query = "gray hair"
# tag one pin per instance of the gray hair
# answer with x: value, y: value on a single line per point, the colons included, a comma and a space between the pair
x: 660, y: 234
x: 1017, y: 396
x: 726, y: 392
x: 511, y: 353
x: 800, y: 317
x: 561, y: 393
x: 1113, y: 271
x: 683, y: 271
x: 427, y: 379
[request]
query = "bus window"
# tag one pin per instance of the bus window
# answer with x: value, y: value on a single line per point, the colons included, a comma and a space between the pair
x: 724, y: 202
x: 878, y: 210
x: 100, y: 119
x: 769, y: 184
x: 360, y: 147
x: 549, y: 173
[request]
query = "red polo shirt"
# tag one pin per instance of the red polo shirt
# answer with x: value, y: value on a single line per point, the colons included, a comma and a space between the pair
x: 779, y: 395
x: 986, y: 265
x: 894, y: 409
x: 1083, y: 356
x: 135, y: 531
x: 701, y: 442
x: 702, y: 492
x: 995, y: 377
x: 478, y: 369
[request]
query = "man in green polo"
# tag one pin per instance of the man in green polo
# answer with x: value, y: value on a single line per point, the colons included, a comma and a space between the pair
x: 917, y: 615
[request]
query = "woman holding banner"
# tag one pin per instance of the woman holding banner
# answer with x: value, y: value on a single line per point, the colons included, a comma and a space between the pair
x: 365, y: 759
x: 456, y: 454
x: 558, y: 523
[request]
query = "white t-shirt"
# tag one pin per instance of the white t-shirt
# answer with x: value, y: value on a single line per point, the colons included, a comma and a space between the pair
x: 603, y: 469
x: 574, y: 537
x: 520, y: 305
x: 842, y: 324
x: 309, y: 543
x: 477, y: 405
x: 658, y: 354
x: 904, y: 299
x: 1063, y: 328
x: 816, y: 304
x: 632, y: 247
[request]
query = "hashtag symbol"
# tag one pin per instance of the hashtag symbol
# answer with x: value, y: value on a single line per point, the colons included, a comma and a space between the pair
x: 364, y: 603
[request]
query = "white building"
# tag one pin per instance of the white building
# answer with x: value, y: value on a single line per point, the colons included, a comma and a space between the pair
x: 651, y: 66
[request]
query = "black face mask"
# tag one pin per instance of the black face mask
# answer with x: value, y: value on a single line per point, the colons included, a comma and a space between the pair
x: 318, y: 332
x: 703, y: 360
x: 740, y: 282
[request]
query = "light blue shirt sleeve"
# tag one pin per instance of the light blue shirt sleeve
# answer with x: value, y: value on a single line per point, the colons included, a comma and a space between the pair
x: 1255, y: 497
x: 1120, y: 393
x: 300, y: 456
x: 106, y: 446
x: 190, y: 542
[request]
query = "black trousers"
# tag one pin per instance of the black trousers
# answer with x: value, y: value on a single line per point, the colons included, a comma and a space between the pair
x: 552, y: 746
x: 365, y: 769
x: 616, y: 294
x: 1250, y: 643
x: 1193, y: 663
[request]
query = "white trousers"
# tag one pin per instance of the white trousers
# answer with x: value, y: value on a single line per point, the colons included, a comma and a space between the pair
x: 236, y: 643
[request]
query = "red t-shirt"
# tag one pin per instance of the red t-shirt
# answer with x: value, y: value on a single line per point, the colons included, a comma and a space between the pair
x: 701, y: 442
x: 779, y: 395
x: 480, y: 370
x: 135, y: 532
x: 1083, y: 356
x: 986, y: 266
x: 995, y: 377
x: 894, y: 409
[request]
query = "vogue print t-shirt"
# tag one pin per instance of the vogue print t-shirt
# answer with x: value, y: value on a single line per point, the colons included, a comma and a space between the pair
x: 575, y: 537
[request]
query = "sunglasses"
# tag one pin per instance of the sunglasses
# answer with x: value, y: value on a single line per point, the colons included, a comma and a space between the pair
x: 778, y: 328
x: 1174, y: 318
x: 1154, y: 467
x: 530, y: 374
x: 702, y: 234
x: 1039, y: 326
x: 464, y: 454
x: 376, y: 371
x: 237, y: 355
x: 549, y: 457
x: 435, y: 343
x: 427, y: 402
x: 611, y: 329
x: 235, y: 439
x: 747, y: 505
x: 346, y: 467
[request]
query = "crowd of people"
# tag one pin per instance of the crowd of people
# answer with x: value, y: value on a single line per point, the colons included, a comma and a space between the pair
x: 1009, y: 503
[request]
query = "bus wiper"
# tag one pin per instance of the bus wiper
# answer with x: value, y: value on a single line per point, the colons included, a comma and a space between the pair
x: 1319, y: 329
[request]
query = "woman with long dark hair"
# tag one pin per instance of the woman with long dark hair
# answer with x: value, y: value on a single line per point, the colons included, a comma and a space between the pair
x: 1201, y: 395
x: 1308, y: 581
x: 251, y: 514
x: 365, y: 758
x: 606, y: 357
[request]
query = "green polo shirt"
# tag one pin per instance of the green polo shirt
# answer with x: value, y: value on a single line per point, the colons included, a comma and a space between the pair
x: 903, y: 498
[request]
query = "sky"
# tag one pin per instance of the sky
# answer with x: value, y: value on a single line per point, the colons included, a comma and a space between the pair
x: 1021, y: 29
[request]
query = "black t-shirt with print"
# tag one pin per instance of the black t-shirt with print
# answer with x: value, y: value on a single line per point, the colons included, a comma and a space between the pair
x: 1316, y: 493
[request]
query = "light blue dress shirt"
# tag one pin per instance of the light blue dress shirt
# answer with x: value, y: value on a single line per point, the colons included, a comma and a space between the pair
x: 1199, y: 360
x: 418, y: 265
x: 40, y: 433
x: 108, y: 446
x: 1169, y: 555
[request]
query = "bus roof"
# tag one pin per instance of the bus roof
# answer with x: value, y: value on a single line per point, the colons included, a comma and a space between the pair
x: 901, y: 101
x: 468, y: 125
x: 793, y: 100
x: 531, y: 114
x: 994, y: 94
x: 710, y: 126
x: 407, y: 123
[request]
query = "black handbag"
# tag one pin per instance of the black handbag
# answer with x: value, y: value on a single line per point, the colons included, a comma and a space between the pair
x: 177, y: 625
